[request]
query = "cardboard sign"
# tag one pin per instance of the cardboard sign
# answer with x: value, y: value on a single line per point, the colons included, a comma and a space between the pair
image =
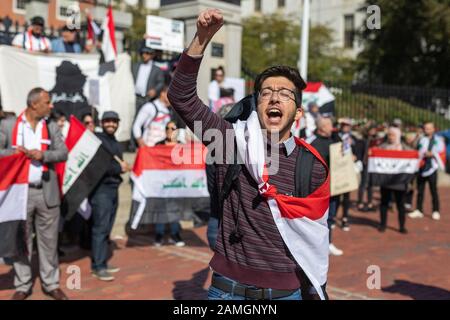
x: 165, y: 34
x: 344, y: 177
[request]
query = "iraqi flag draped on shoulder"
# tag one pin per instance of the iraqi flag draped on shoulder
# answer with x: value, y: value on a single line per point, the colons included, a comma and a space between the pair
x: 13, y: 204
x: 302, y: 222
x: 438, y: 149
x: 168, y: 171
x: 391, y: 167
x: 84, y: 168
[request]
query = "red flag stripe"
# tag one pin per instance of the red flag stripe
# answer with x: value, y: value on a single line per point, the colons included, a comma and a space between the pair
x: 14, y: 170
x: 160, y: 158
x: 398, y: 154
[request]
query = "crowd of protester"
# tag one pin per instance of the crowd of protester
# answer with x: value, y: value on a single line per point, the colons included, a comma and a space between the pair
x: 157, y: 123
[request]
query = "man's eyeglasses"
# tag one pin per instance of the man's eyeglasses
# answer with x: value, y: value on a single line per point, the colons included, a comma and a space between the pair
x: 88, y: 123
x: 284, y: 94
x: 171, y: 128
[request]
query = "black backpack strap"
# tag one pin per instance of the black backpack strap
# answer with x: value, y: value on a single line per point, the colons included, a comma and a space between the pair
x: 303, y: 169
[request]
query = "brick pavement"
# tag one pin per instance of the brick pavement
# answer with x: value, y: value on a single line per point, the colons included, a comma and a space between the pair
x: 413, y: 266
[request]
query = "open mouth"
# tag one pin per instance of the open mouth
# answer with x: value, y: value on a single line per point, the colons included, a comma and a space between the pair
x: 274, y: 115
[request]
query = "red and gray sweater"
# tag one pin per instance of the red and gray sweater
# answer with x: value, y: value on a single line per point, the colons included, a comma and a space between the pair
x: 261, y: 259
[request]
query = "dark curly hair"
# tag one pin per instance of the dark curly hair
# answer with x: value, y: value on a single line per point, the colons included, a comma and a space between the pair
x: 282, y: 71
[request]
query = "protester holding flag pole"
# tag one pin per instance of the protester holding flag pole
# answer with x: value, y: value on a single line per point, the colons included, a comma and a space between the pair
x: 392, y: 167
x: 43, y: 144
x: 105, y: 199
x: 270, y: 248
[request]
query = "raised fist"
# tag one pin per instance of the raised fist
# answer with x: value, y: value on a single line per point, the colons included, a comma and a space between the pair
x: 208, y: 23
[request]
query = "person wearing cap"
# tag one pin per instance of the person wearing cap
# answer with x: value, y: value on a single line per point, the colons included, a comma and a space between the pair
x: 148, y: 78
x: 105, y: 198
x: 67, y: 42
x: 33, y: 38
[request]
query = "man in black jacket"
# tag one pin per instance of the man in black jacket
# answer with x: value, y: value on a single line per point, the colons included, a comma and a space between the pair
x: 105, y: 199
x: 322, y: 138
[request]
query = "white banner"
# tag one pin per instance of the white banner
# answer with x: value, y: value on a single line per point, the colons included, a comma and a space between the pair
x: 72, y: 79
x: 165, y: 34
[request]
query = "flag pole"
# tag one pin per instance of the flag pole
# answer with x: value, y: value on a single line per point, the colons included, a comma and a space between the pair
x: 303, y: 62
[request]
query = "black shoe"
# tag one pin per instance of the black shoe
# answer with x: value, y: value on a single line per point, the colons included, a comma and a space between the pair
x: 176, y: 240
x: 382, y: 228
x: 403, y: 230
x: 158, y: 240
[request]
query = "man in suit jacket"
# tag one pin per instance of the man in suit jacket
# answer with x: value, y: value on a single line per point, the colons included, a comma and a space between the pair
x: 43, y: 194
x: 148, y: 78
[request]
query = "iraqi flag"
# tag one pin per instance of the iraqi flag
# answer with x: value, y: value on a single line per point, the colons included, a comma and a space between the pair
x: 109, y: 48
x: 84, y: 168
x: 318, y: 93
x: 391, y: 167
x: 13, y: 204
x: 164, y: 171
x: 301, y: 222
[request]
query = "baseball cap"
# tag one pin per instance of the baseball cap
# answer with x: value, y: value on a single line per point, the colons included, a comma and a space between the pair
x: 112, y: 115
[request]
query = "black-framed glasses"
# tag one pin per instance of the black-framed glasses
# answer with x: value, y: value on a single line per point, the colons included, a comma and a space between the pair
x: 284, y: 94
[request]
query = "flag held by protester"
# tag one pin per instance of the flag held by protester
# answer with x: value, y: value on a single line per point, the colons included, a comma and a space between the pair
x: 13, y: 204
x: 391, y: 167
x: 84, y: 168
x: 166, y: 171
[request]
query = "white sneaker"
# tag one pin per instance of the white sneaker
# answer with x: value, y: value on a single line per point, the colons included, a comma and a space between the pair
x: 335, y: 251
x: 435, y: 215
x: 415, y: 214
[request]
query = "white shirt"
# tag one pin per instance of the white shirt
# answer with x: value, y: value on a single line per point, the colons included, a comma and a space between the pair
x: 32, y: 140
x: 214, y: 90
x: 142, y: 78
x: 36, y: 44
x: 150, y: 124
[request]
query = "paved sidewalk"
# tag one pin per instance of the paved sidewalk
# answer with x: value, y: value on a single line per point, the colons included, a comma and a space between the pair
x: 413, y: 266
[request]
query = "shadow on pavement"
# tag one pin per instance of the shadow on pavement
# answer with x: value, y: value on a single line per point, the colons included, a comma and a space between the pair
x: 192, y: 289
x: 417, y: 291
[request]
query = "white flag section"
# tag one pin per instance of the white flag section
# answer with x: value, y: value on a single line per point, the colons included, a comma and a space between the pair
x: 302, y: 222
x: 74, y: 82
x: 391, y: 167
x: 168, y: 172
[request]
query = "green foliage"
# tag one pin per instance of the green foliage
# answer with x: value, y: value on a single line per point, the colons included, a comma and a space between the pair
x: 412, y: 47
x: 273, y: 40
x: 364, y: 106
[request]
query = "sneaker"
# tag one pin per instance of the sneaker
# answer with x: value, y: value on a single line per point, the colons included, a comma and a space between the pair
x: 176, y: 240
x: 112, y: 269
x: 415, y: 214
x: 158, y: 240
x: 335, y: 251
x: 103, y: 275
x: 408, y: 206
x: 435, y: 215
x: 345, y: 225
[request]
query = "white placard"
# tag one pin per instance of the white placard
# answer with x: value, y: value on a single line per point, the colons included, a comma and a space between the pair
x: 165, y: 34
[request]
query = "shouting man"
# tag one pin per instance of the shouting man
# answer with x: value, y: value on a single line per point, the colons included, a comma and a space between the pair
x: 273, y: 236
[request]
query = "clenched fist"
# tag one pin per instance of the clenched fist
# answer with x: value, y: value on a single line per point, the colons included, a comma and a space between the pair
x: 208, y: 23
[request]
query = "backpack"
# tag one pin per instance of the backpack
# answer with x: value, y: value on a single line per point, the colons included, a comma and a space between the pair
x: 304, y: 163
x: 302, y: 179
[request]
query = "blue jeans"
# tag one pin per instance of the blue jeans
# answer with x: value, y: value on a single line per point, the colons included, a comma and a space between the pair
x: 104, y: 203
x: 211, y: 232
x: 174, y: 228
x: 217, y: 294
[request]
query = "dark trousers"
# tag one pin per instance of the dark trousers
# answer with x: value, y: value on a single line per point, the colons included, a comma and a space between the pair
x: 331, y: 215
x: 104, y: 203
x: 432, y: 181
x: 364, y: 186
x: 345, y: 200
x: 386, y: 197
x: 174, y: 228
